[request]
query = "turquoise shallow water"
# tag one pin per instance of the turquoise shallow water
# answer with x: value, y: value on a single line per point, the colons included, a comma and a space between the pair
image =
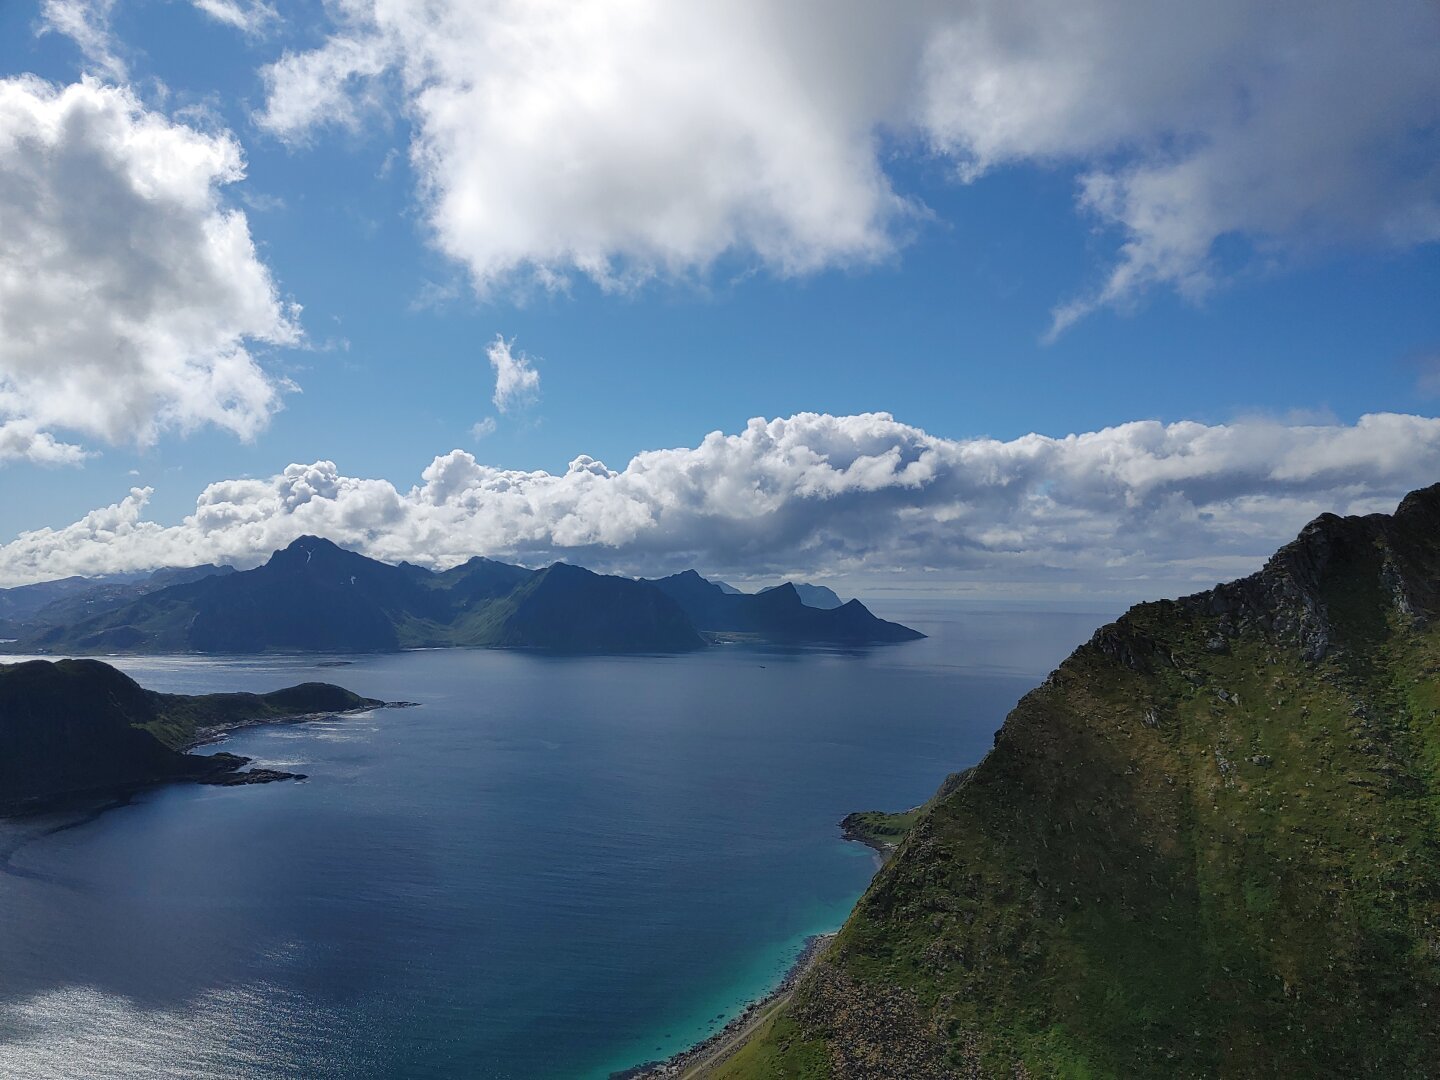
x: 551, y: 868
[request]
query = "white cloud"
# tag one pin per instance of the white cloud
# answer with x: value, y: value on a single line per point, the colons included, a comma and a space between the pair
x: 515, y: 380
x: 247, y: 16
x: 483, y: 429
x: 20, y: 441
x: 626, y: 139
x: 1140, y: 508
x: 130, y: 295
x: 87, y: 24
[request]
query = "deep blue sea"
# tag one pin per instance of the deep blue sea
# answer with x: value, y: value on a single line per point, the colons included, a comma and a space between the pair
x: 553, y: 867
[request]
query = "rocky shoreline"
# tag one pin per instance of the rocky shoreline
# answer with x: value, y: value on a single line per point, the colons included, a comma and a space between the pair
x: 236, y: 775
x: 214, y: 733
x: 851, y: 829
x: 716, y: 1044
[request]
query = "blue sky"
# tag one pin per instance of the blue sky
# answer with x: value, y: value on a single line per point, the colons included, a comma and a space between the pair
x: 946, y: 328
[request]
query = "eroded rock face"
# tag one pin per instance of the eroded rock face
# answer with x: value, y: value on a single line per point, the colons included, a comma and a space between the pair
x: 876, y: 1035
x: 1288, y: 597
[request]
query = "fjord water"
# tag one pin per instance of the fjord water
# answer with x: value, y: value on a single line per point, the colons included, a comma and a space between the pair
x: 553, y: 867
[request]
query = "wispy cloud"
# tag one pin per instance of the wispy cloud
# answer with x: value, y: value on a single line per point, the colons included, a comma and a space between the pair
x: 516, y: 382
x: 247, y: 16
x: 87, y: 24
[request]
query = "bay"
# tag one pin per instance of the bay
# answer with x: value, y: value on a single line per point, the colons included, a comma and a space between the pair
x: 552, y: 867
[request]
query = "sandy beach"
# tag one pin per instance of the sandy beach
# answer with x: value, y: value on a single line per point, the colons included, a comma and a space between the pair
x: 697, y: 1061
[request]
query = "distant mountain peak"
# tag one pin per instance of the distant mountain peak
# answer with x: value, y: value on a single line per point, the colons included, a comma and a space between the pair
x: 815, y: 596
x: 310, y: 543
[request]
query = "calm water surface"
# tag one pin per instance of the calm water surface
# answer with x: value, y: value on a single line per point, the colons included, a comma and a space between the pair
x: 551, y: 868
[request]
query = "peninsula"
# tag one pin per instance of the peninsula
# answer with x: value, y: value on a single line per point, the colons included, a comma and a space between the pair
x: 73, y: 731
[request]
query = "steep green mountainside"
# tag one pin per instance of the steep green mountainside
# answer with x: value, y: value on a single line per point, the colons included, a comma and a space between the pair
x: 79, y: 728
x: 777, y: 614
x: 1207, y: 846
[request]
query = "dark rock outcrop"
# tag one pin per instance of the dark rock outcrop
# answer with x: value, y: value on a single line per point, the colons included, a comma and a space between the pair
x: 78, y: 730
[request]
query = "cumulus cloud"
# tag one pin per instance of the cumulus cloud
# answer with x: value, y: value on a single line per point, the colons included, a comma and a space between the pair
x: 483, y: 429
x: 623, y: 140
x: 1143, y: 507
x: 515, y: 380
x: 130, y: 295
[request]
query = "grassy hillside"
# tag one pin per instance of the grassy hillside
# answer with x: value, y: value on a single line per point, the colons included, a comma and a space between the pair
x: 180, y: 718
x: 1208, y: 845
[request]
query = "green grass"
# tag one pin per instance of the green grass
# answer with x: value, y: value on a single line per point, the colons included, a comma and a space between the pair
x: 778, y: 1052
x: 1226, y: 865
x: 879, y: 828
x: 180, y: 717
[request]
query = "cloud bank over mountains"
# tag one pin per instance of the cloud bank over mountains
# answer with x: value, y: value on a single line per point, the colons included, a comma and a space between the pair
x: 131, y: 297
x: 1131, y: 508
x: 619, y: 141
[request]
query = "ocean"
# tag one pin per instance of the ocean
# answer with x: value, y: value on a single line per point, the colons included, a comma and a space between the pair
x: 550, y: 867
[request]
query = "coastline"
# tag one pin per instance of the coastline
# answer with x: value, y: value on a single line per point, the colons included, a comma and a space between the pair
x: 214, y: 733
x: 881, y: 848
x: 722, y: 1044
x: 229, y: 771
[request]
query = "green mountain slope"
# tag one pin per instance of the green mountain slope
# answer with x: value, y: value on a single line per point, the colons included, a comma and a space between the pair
x: 1208, y: 845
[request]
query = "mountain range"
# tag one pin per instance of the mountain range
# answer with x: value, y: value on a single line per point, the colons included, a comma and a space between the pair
x: 1207, y: 846
x: 816, y: 596
x: 316, y: 596
x: 777, y: 614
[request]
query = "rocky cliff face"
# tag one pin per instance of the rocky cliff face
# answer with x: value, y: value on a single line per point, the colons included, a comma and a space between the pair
x: 1208, y: 845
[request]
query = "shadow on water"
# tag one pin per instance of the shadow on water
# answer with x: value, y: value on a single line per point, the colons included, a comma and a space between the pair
x: 81, y: 816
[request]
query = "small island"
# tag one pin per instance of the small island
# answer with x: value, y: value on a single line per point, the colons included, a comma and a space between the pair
x: 78, y: 731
